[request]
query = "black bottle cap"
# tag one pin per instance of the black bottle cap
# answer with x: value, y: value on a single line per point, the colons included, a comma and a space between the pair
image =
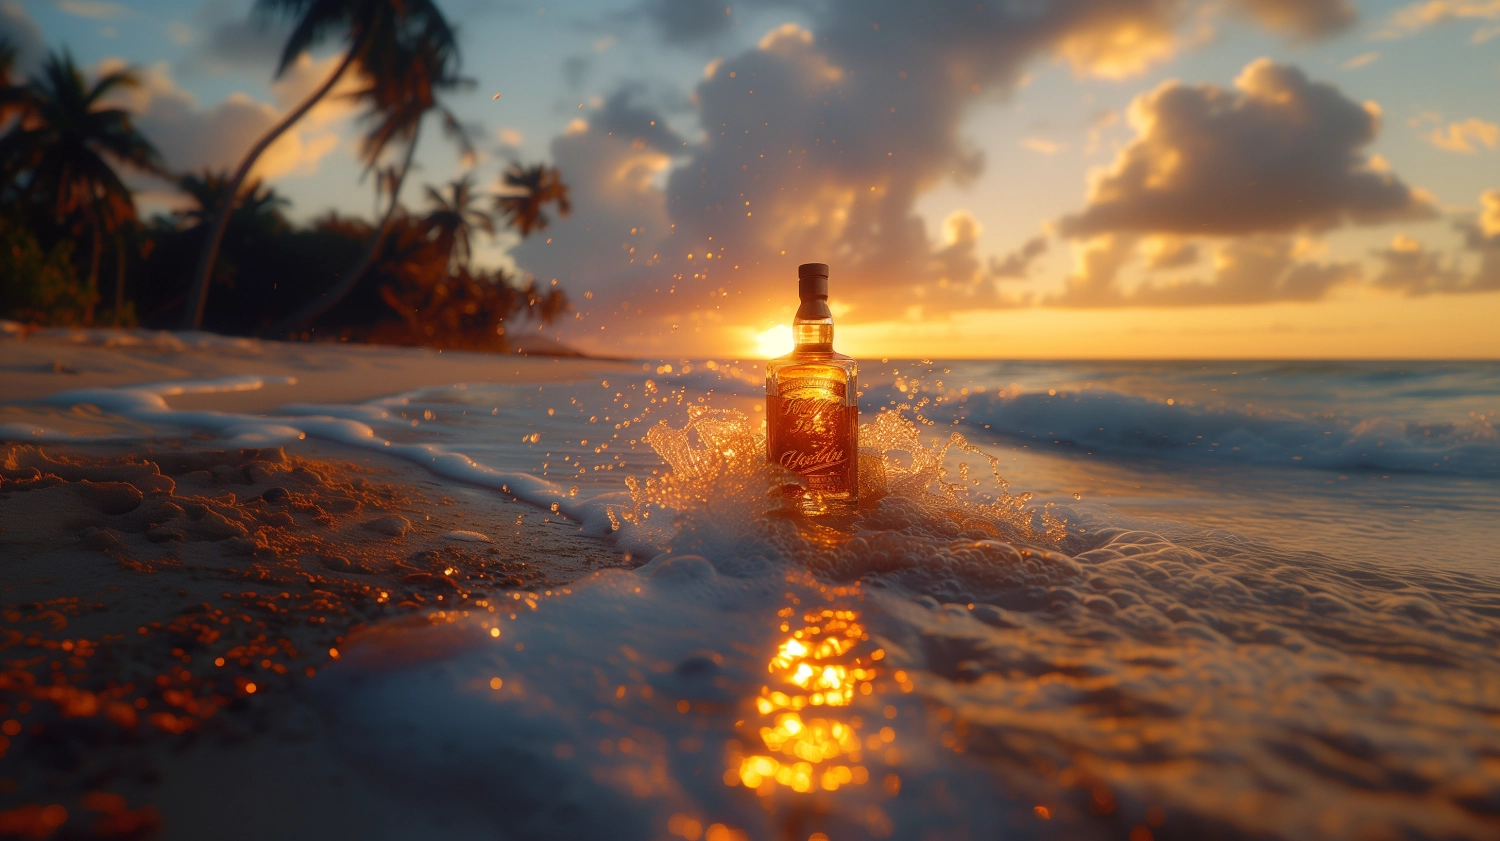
x: 812, y: 288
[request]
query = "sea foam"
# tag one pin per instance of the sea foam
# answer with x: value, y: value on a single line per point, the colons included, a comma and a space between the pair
x: 938, y: 664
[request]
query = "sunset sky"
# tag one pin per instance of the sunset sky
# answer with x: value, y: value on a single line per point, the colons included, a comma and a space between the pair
x: 1080, y: 178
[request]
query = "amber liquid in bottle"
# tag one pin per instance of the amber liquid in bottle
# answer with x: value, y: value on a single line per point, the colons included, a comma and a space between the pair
x: 812, y: 405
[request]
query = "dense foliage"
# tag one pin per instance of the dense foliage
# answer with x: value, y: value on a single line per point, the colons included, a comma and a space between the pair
x: 68, y: 222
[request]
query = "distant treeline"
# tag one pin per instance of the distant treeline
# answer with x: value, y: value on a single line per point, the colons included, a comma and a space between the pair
x: 73, y: 250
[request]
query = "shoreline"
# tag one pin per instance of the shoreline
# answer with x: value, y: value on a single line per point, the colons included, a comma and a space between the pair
x: 167, y: 610
x: 133, y: 568
x: 38, y: 367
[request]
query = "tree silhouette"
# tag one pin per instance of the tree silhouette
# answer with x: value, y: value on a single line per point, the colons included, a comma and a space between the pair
x: 368, y: 28
x: 62, y: 151
x: 207, y: 190
x: 404, y: 82
x: 454, y: 219
x: 527, y: 191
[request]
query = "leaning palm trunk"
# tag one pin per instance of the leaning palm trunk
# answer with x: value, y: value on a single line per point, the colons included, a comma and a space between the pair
x: 203, y: 272
x: 95, y: 254
x: 119, y: 279
x: 310, y: 311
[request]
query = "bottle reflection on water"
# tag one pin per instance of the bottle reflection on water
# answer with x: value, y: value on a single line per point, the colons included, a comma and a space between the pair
x: 812, y: 405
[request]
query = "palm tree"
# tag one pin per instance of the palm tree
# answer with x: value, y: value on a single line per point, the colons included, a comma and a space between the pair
x: 454, y: 219
x: 367, y: 27
x: 62, y: 151
x: 527, y: 192
x: 207, y: 190
x: 399, y: 95
x: 257, y: 208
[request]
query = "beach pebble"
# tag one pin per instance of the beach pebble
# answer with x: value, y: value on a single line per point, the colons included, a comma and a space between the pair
x: 467, y: 536
x: 337, y: 563
x: 214, y: 526
x: 162, y: 535
x: 338, y: 504
x: 110, y: 497
x: 240, y: 546
x: 258, y: 473
x: 275, y: 495
x: 154, y: 483
x: 389, y: 525
x: 103, y: 540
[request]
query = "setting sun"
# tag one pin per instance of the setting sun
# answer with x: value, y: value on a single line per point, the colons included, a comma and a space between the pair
x: 774, y: 342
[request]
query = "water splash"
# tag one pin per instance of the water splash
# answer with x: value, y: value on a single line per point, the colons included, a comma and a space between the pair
x: 718, y: 483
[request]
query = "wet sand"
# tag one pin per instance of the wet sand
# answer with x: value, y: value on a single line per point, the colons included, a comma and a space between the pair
x: 39, y: 366
x: 166, y: 607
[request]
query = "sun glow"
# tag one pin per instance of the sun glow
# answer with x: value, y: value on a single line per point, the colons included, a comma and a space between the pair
x: 777, y: 341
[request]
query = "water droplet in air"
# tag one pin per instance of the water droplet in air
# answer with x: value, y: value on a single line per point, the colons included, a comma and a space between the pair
x: 1078, y: 496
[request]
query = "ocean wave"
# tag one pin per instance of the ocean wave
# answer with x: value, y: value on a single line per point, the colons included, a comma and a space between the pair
x: 932, y: 667
x: 1122, y: 425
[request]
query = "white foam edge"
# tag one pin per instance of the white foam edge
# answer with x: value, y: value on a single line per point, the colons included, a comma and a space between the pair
x: 145, y: 404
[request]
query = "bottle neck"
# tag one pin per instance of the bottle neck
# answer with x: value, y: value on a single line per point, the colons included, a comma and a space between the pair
x: 813, y: 334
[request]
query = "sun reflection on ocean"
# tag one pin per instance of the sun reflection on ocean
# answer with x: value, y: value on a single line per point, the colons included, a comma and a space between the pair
x: 812, y: 668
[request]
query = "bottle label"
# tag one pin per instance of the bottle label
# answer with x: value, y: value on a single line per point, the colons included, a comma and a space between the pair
x: 813, y: 432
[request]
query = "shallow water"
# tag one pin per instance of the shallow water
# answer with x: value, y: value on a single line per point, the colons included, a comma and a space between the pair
x: 1273, y: 610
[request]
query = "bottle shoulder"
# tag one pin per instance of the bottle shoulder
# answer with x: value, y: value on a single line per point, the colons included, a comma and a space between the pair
x: 802, y: 362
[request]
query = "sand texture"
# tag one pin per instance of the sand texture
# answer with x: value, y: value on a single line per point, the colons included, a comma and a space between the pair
x: 44, y: 364
x: 164, y: 615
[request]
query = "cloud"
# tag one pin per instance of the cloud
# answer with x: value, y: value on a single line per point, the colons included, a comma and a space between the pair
x: 1416, y: 17
x: 1168, y: 252
x: 1463, y: 136
x: 1301, y: 19
x: 1408, y: 266
x: 23, y: 34
x: 1017, y: 264
x: 191, y: 138
x: 92, y: 9
x: 1489, y: 215
x: 1096, y: 272
x: 815, y: 145
x: 1278, y: 154
x: 614, y: 239
x: 1246, y: 270
x: 1360, y: 61
x: 1253, y: 270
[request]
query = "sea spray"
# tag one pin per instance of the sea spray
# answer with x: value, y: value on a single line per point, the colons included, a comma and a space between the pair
x: 719, y: 497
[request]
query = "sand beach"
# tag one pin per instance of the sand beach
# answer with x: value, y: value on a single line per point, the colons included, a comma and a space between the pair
x: 168, y: 604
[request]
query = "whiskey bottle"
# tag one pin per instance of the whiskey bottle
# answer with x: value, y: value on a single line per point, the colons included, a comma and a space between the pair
x: 812, y: 404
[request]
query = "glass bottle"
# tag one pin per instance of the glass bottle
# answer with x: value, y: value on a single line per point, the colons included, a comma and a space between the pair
x: 812, y: 404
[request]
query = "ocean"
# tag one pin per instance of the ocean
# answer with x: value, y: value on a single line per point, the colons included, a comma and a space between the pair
x: 1099, y: 599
